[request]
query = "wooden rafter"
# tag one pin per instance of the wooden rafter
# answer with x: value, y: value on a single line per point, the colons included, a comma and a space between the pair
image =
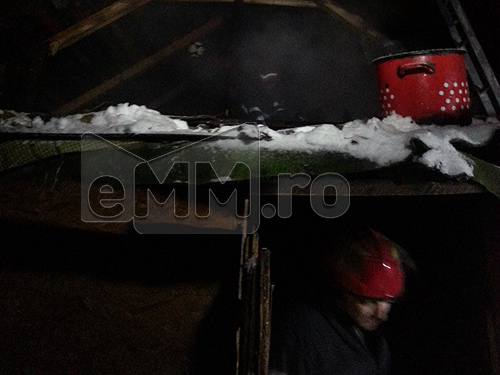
x: 122, y: 7
x: 288, y: 3
x: 294, y: 3
x: 351, y: 19
x: 328, y: 6
x: 140, y: 67
x: 91, y: 24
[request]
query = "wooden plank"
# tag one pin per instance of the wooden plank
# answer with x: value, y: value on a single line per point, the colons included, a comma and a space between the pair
x: 92, y: 24
x: 140, y: 66
x: 243, y: 257
x: 254, y: 334
x: 41, y: 205
x: 246, y: 337
x: 381, y: 187
x: 265, y: 304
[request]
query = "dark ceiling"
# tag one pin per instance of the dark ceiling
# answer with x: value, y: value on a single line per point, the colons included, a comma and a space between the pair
x: 71, y: 56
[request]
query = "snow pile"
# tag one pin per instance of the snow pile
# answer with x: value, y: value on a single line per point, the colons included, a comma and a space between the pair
x: 135, y: 119
x: 120, y: 119
x: 382, y: 141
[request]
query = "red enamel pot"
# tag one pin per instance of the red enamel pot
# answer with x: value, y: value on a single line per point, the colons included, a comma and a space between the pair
x: 429, y: 86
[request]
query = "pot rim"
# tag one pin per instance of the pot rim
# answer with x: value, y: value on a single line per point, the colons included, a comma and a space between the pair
x: 428, y: 52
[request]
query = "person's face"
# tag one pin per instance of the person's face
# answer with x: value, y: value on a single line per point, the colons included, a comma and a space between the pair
x: 367, y: 314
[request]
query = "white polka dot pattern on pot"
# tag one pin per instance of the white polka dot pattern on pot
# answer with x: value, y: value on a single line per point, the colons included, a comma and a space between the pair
x: 387, y: 98
x: 455, y: 96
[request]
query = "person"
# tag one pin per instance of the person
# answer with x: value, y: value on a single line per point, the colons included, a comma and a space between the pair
x: 262, y: 100
x: 334, y: 327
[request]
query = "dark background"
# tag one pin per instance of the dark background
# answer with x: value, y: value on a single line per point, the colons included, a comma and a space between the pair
x: 79, y: 301
x: 86, y: 302
x: 325, y: 66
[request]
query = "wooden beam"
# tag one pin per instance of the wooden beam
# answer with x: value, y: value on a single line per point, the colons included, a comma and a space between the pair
x: 140, y: 67
x: 288, y: 3
x: 326, y: 5
x: 351, y: 19
x: 292, y: 3
x: 265, y: 304
x: 121, y: 8
x: 91, y: 24
x: 198, y: 1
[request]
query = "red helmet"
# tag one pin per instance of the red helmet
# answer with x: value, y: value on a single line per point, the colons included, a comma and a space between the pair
x: 370, y: 266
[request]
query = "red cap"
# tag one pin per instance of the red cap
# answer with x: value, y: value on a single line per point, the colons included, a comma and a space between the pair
x: 371, y: 267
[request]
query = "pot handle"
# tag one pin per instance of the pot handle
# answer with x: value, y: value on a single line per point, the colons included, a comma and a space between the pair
x: 415, y: 68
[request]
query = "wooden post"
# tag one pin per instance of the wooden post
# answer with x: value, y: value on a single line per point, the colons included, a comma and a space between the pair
x: 253, y: 336
x: 265, y: 304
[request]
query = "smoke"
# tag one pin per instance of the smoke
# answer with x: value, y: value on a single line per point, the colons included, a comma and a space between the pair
x: 323, y: 72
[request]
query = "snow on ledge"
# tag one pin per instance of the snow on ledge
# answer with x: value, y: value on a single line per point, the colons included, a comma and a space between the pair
x: 383, y: 141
